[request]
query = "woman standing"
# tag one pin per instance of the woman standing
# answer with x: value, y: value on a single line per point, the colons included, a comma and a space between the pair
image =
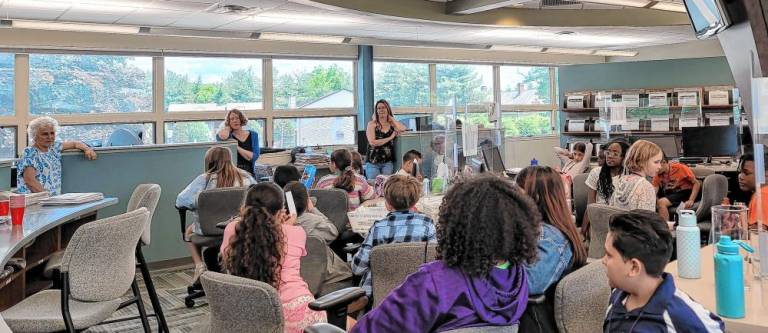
x: 380, y: 133
x: 39, y: 168
x: 247, y: 140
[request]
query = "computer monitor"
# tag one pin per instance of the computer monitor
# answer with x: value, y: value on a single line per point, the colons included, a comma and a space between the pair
x: 493, y: 159
x: 708, y: 17
x: 667, y: 143
x: 710, y: 141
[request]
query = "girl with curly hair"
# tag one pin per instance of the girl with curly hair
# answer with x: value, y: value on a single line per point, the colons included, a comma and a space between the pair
x: 266, y: 245
x: 485, y: 236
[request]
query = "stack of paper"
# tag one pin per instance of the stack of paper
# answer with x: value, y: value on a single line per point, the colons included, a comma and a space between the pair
x: 35, y: 198
x: 72, y: 199
x: 362, y: 218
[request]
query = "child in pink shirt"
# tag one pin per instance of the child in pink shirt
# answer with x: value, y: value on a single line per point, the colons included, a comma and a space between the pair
x: 264, y: 239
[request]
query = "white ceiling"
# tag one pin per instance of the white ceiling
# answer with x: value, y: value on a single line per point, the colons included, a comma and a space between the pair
x: 289, y: 17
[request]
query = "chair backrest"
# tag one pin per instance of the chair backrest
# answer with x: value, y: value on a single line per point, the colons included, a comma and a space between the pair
x: 581, y: 299
x: 100, y: 257
x: 599, y: 216
x: 333, y: 203
x: 702, y: 172
x: 147, y: 196
x: 580, y: 191
x: 217, y: 205
x: 486, y: 329
x: 241, y: 305
x: 315, y: 264
x: 714, y: 189
x: 392, y: 263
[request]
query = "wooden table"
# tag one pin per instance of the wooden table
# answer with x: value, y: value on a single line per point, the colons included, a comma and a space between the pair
x: 703, y: 291
x: 46, y: 230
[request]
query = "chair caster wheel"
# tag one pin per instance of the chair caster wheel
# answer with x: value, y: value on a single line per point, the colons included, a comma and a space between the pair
x: 189, y: 303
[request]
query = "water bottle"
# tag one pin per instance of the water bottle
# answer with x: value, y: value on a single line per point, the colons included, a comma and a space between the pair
x: 425, y: 187
x: 534, y: 161
x: 688, y: 241
x: 729, y: 277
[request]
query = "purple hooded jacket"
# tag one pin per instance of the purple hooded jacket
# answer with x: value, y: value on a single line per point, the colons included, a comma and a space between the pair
x: 439, y: 298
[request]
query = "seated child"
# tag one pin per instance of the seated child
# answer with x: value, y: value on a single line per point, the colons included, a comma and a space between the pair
x: 285, y: 174
x: 478, y: 279
x: 747, y: 184
x: 401, y: 225
x: 645, y: 299
x: 577, y: 161
x: 675, y: 183
x: 410, y: 160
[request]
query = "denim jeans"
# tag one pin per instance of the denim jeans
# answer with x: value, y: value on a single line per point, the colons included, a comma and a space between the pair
x: 372, y: 170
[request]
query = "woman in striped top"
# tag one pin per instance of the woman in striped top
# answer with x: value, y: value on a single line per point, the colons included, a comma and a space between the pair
x: 345, y: 178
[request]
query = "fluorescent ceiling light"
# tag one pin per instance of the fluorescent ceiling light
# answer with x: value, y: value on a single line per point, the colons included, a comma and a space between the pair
x: 669, y: 6
x: 61, y: 26
x: 569, y: 51
x: 625, y: 3
x: 301, y: 38
x: 197, y: 33
x: 517, y: 48
x: 615, y: 53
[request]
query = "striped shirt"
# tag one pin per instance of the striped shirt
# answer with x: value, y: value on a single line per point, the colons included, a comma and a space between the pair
x: 362, y: 191
x: 668, y: 310
x: 396, y: 227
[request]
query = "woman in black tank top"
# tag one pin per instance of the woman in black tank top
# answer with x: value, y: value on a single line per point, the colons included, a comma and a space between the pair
x: 380, y: 132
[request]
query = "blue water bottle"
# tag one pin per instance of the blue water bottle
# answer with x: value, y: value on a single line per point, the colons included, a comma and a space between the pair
x: 729, y: 277
x: 688, y: 241
x: 534, y: 161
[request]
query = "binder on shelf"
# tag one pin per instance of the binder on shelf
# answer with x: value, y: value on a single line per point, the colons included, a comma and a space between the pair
x: 687, y: 97
x: 631, y: 100
x: 719, y: 119
x: 575, y: 102
x: 603, y: 99
x: 718, y: 95
x: 575, y: 125
x: 659, y: 124
x: 657, y: 99
x: 689, y: 122
x: 633, y: 124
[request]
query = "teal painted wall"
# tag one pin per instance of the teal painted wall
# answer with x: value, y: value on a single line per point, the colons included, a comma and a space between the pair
x: 116, y: 173
x: 644, y: 74
x: 5, y: 177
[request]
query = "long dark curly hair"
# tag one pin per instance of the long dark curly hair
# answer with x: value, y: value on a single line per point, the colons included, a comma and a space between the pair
x: 484, y: 220
x: 605, y: 180
x: 256, y: 250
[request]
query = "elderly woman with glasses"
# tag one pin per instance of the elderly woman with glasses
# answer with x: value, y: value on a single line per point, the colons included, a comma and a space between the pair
x: 39, y: 169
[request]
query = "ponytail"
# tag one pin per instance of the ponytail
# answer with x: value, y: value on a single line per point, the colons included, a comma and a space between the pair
x: 342, y: 159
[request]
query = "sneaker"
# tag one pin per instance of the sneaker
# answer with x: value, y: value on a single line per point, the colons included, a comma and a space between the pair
x: 199, y: 269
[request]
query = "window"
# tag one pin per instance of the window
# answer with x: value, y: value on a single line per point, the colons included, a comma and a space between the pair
x: 7, y: 61
x: 205, y: 84
x: 319, y: 131
x: 203, y: 130
x: 401, y: 84
x: 527, y: 123
x: 7, y: 142
x: 470, y: 84
x: 311, y: 84
x: 99, y: 134
x: 523, y: 85
x: 67, y: 84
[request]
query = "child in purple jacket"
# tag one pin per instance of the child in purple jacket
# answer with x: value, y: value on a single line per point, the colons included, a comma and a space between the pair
x: 484, y: 238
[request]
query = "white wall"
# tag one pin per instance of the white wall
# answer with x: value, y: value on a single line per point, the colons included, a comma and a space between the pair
x: 518, y: 152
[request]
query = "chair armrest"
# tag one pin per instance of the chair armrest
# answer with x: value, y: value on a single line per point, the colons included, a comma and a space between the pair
x: 223, y: 224
x: 323, y: 328
x: 352, y: 248
x: 337, y: 299
x: 183, y: 220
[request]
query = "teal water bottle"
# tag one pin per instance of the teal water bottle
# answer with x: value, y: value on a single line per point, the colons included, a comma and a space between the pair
x: 729, y: 277
x: 534, y: 161
x: 688, y: 241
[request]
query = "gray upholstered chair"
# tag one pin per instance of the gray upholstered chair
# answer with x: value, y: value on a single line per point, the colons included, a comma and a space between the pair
x: 314, y: 264
x: 713, y: 190
x: 213, y: 206
x: 392, y: 263
x: 241, y: 305
x: 581, y: 298
x: 147, y: 196
x: 97, y: 269
x: 333, y: 203
x: 599, y: 217
x: 580, y: 193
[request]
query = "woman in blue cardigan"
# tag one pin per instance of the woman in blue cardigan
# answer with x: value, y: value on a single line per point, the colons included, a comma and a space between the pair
x: 247, y: 140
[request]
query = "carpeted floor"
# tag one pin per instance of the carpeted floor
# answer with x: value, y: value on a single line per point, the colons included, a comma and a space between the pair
x: 171, y: 285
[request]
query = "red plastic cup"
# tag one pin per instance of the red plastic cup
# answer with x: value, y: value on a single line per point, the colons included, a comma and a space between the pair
x: 17, y: 205
x: 5, y: 206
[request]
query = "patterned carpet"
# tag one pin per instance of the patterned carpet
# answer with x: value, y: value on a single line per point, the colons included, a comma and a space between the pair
x: 171, y: 285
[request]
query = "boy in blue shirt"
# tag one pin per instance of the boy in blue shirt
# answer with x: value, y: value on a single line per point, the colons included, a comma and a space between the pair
x: 645, y: 298
x: 402, y: 225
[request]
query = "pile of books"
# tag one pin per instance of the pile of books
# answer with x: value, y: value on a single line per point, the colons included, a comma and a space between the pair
x: 72, y: 199
x: 316, y: 159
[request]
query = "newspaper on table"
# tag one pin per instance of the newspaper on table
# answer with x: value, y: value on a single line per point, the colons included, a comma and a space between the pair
x: 72, y: 199
x: 363, y: 218
x: 35, y: 198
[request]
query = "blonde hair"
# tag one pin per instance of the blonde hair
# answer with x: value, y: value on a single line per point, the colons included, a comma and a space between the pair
x: 218, y: 161
x: 639, y: 154
x: 402, y: 192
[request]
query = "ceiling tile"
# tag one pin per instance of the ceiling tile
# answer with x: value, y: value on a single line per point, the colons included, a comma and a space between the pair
x: 206, y: 20
x: 33, y: 9
x: 93, y: 14
x: 152, y: 17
